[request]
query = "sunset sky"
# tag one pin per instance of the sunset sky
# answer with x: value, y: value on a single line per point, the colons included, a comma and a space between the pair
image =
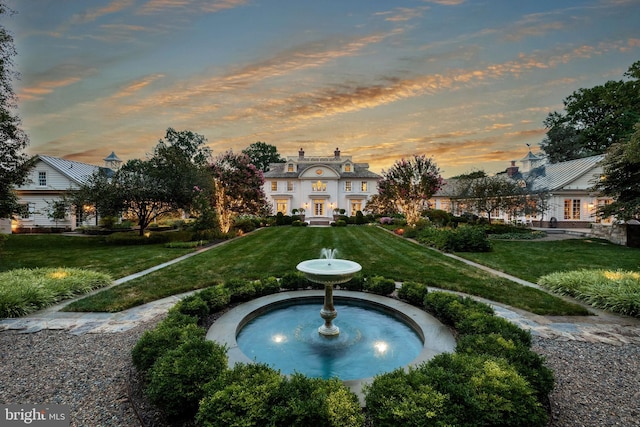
x: 467, y: 82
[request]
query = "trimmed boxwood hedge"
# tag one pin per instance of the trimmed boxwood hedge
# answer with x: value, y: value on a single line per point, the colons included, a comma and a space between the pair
x: 493, y: 379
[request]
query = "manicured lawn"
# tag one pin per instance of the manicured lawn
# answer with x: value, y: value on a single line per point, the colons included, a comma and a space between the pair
x: 276, y: 251
x: 530, y: 260
x: 91, y: 253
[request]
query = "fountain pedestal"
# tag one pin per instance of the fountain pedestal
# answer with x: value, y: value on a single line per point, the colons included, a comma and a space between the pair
x: 329, y: 272
x: 328, y: 313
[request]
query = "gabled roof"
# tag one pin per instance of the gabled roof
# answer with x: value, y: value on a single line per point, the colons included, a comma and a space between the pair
x: 76, y: 171
x: 553, y: 176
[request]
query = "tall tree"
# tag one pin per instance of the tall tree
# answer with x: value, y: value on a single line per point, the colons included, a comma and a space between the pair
x: 594, y: 118
x: 181, y: 162
x: 140, y: 193
x: 237, y: 188
x: 263, y: 154
x: 14, y: 163
x: 621, y: 179
x: 409, y: 184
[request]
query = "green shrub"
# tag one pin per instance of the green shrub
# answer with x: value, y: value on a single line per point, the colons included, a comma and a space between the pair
x: 528, y: 363
x: 133, y: 238
x: 482, y: 323
x: 241, y: 396
x: 167, y: 336
x: 183, y: 245
x: 282, y: 219
x: 439, y: 217
x: 177, y: 379
x: 461, y: 239
x: 246, y: 224
x: 267, y: 286
x: 193, y: 305
x: 108, y: 221
x: 360, y: 219
x: 451, y: 309
x: 497, y: 228
x: 379, y: 285
x: 339, y: 223
x: 401, y: 398
x: 179, y: 236
x: 303, y: 401
x: 208, y: 235
x: 217, y: 297
x: 355, y: 284
x: 240, y: 290
x: 413, y: 293
x: 518, y: 236
x: 294, y: 280
x: 483, y: 391
x: 298, y: 223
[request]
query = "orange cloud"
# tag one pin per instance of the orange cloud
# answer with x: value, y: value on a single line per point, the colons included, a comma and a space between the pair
x: 137, y: 86
x: 36, y: 92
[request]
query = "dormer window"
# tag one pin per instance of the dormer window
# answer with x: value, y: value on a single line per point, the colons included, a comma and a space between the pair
x: 347, y: 167
x: 290, y: 167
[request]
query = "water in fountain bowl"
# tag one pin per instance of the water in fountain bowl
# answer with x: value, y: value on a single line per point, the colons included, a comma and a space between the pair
x: 370, y: 342
x: 329, y: 271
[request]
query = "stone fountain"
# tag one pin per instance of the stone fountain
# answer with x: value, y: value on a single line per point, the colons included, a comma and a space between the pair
x: 328, y: 271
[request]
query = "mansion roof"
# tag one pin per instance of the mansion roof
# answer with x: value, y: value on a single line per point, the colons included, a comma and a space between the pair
x: 343, y: 166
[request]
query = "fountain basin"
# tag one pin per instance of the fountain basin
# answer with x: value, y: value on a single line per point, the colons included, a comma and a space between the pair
x: 329, y: 271
x: 436, y: 338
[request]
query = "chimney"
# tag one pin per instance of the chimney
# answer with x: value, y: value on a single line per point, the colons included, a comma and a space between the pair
x: 512, y: 170
x: 301, y: 154
x: 336, y: 153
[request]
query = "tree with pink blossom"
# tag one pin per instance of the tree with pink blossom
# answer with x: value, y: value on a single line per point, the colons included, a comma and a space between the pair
x: 409, y: 184
x: 237, y: 188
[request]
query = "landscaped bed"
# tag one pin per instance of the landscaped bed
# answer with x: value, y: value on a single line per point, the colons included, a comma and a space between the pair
x: 24, y: 291
x: 492, y: 379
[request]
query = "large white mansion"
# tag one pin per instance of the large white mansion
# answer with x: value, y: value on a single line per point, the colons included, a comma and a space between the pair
x: 319, y: 186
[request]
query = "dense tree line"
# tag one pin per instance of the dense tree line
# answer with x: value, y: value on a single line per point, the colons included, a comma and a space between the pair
x: 180, y: 176
x: 594, y: 119
x: 14, y: 163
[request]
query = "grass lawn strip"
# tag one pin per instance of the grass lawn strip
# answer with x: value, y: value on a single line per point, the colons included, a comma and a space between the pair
x: 89, y: 253
x: 530, y: 260
x: 276, y: 251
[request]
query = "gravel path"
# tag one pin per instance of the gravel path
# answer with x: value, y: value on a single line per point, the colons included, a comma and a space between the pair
x: 88, y: 372
x: 597, y: 384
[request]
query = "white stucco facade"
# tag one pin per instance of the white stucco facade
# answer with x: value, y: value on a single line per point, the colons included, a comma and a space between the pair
x: 319, y: 186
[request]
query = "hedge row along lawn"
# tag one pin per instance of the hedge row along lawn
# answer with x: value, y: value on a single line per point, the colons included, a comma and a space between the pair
x: 276, y: 251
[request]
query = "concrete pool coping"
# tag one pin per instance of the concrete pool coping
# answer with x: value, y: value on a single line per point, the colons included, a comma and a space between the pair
x: 436, y: 337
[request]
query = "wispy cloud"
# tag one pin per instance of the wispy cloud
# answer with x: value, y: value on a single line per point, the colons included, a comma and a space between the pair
x: 190, y: 6
x: 54, y: 78
x: 136, y: 86
x: 96, y: 13
x: 402, y: 14
x: 446, y: 2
